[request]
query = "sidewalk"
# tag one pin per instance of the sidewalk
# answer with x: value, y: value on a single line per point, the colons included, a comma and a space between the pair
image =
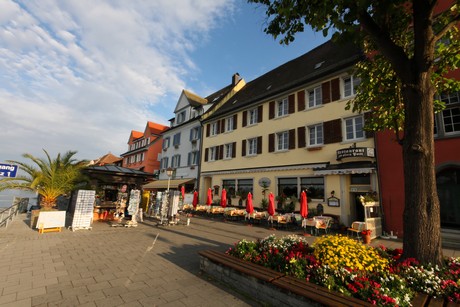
x: 116, y: 266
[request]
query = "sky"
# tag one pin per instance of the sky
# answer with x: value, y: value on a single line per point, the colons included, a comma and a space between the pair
x: 81, y: 75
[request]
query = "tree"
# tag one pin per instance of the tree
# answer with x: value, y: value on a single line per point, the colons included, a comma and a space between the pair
x: 410, y: 46
x: 50, y: 178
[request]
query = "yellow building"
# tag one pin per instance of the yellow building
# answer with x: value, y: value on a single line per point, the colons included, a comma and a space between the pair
x: 288, y: 131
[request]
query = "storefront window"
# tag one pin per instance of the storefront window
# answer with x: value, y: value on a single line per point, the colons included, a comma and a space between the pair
x: 360, y: 179
x: 314, y: 187
x: 287, y: 186
x: 230, y: 187
x: 245, y: 185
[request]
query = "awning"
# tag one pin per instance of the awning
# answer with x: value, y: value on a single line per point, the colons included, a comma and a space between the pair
x: 163, y: 184
x: 360, y: 167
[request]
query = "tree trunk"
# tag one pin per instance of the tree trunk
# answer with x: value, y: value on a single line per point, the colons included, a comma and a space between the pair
x: 422, y: 220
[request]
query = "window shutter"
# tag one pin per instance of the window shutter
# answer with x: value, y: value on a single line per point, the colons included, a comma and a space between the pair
x: 369, y: 133
x: 235, y: 121
x: 178, y: 160
x: 208, y: 130
x: 245, y: 118
x: 271, y: 142
x: 292, y: 139
x: 332, y: 131
x: 191, y: 134
x: 301, y: 140
x: 218, y: 126
x: 271, y: 110
x: 234, y: 150
x: 222, y: 125
x: 259, y: 145
x: 189, y: 159
x: 243, y: 148
x: 199, y: 132
x: 221, y: 152
x: 206, y: 154
x: 291, y: 101
x: 301, y: 100
x: 335, y: 89
x: 326, y: 92
x: 260, y: 113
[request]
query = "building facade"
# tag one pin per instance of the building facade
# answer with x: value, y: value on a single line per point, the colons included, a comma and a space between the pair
x: 289, y: 131
x: 144, y: 148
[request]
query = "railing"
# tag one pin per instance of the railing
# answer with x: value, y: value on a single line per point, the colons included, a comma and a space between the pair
x: 7, y: 214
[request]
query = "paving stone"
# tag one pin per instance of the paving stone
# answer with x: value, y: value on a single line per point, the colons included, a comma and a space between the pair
x: 47, y: 298
x: 109, y: 301
x: 91, y: 297
x: 31, y: 293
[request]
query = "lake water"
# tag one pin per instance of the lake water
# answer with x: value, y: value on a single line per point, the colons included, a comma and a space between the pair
x: 6, y: 197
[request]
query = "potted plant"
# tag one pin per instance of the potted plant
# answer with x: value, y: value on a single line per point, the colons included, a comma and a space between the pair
x: 264, y: 204
x: 281, y: 200
x: 366, y: 235
x: 369, y: 197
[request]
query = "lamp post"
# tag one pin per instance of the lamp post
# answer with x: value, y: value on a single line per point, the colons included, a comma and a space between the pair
x: 169, y: 173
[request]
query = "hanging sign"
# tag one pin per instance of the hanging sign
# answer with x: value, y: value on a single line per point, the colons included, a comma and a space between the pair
x: 8, y: 170
x: 355, y: 152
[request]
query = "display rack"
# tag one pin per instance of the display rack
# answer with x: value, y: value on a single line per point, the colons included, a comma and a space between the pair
x: 84, y: 206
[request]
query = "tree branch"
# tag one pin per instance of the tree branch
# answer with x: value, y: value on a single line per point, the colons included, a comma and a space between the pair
x: 447, y: 27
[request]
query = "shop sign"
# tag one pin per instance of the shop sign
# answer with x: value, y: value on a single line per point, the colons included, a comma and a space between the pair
x: 355, y: 152
x: 8, y: 170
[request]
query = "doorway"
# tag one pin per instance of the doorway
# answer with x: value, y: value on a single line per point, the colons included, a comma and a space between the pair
x: 356, y: 208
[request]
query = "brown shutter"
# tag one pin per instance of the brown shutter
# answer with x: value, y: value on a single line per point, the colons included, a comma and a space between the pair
x: 259, y: 145
x: 369, y: 133
x: 208, y: 130
x: 335, y: 89
x: 221, y: 152
x: 291, y: 101
x: 326, y: 92
x: 245, y: 118
x: 218, y: 126
x: 332, y: 131
x: 234, y: 150
x: 243, y: 148
x: 301, y: 100
x: 271, y: 110
x: 301, y: 140
x: 292, y: 139
x: 222, y: 125
x: 235, y: 121
x: 206, y: 154
x: 271, y: 142
x: 260, y: 113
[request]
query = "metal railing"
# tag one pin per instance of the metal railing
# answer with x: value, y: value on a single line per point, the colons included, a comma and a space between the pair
x: 7, y: 214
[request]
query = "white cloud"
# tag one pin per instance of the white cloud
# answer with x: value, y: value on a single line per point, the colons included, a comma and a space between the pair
x: 80, y: 75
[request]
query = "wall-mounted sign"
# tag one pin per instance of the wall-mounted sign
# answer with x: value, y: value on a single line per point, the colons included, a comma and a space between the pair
x: 333, y: 201
x: 8, y: 170
x: 264, y: 182
x: 355, y: 152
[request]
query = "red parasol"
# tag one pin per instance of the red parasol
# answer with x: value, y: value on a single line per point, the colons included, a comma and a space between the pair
x: 223, y: 200
x: 249, y: 206
x: 209, y: 198
x: 303, y: 205
x: 195, y: 199
x: 271, y: 204
x: 182, y: 191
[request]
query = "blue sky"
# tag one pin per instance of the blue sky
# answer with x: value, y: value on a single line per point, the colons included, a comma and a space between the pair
x: 80, y: 75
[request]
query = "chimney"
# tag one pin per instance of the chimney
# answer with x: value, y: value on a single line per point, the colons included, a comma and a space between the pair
x: 235, y: 79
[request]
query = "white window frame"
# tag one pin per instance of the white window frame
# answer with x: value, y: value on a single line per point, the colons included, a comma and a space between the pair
x: 229, y: 124
x: 181, y: 117
x: 195, y: 133
x: 252, y: 147
x: 282, y: 141
x: 354, y: 125
x: 353, y: 84
x: 315, y: 135
x: 164, y: 163
x: 175, y: 161
x: 252, y: 116
x: 212, y: 153
x: 316, y: 99
x: 228, y: 151
x: 166, y: 142
x: 194, y: 158
x: 282, y: 107
x: 213, y: 129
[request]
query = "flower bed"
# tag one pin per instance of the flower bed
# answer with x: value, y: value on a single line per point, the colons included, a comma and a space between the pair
x: 343, y: 265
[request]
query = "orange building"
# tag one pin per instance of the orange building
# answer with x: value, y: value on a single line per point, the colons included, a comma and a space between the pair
x: 144, y: 148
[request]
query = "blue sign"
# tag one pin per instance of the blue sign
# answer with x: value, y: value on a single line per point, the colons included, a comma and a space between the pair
x: 8, y: 170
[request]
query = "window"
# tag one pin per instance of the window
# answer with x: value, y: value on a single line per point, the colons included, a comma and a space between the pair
x: 363, y: 179
x: 314, y: 187
x: 212, y: 153
x: 315, y: 97
x: 165, y: 143
x: 175, y: 162
x: 230, y: 186
x: 287, y: 187
x: 282, y: 141
x: 181, y: 117
x: 164, y: 163
x: 450, y: 117
x: 228, y: 151
x: 282, y: 107
x: 252, y: 146
x: 195, y: 134
x: 229, y: 124
x: 245, y: 186
x: 214, y: 127
x: 354, y: 128
x: 193, y: 158
x: 315, y: 135
x: 142, y: 156
x: 349, y: 86
x: 252, y: 117
x: 176, y: 139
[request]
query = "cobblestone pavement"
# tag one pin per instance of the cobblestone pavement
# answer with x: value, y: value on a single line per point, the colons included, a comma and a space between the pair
x: 148, y: 265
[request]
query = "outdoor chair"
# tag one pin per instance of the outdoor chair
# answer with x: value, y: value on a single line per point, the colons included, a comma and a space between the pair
x: 356, y: 228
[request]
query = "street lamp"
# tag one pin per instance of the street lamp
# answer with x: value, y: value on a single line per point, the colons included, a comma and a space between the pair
x: 169, y: 173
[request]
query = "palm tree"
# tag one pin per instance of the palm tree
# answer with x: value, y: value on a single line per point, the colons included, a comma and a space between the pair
x: 50, y: 178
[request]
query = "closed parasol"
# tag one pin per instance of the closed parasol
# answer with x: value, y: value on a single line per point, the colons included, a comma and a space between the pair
x: 195, y: 199
x: 209, y: 198
x: 223, y: 200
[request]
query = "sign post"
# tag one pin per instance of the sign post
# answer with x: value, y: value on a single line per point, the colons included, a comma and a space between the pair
x: 8, y: 170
